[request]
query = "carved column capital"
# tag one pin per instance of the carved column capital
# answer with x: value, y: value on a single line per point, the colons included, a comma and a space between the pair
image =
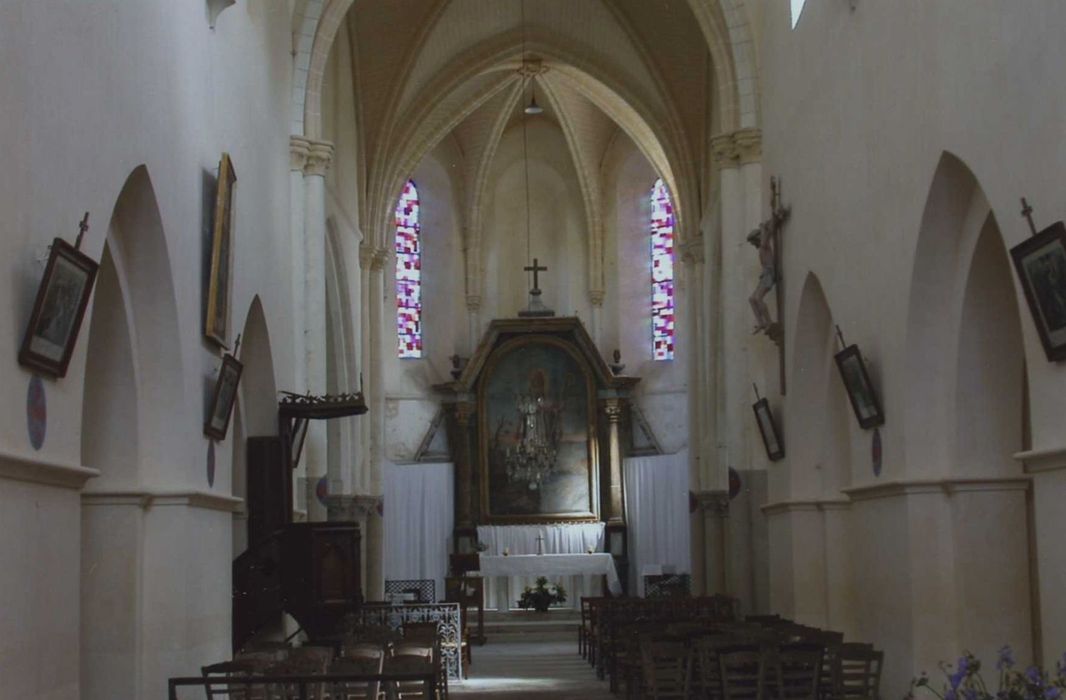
x: 724, y: 151
x: 749, y: 145
x: 299, y: 148
x: 366, y: 256
x: 714, y: 503
x: 612, y: 408
x: 380, y: 257
x: 692, y: 251
x: 464, y: 412
x: 319, y: 158
x: 597, y: 296
x: 737, y: 148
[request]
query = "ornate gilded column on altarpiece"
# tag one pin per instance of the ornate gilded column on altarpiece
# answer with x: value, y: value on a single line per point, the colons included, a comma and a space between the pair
x: 613, y: 408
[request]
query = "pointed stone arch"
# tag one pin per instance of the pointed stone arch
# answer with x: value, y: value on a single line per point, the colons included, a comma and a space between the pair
x: 133, y: 380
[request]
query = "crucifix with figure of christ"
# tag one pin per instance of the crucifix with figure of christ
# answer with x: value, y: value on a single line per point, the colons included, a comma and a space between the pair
x: 767, y: 239
x: 536, y: 307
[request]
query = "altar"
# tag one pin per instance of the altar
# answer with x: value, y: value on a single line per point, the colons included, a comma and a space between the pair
x: 594, y: 564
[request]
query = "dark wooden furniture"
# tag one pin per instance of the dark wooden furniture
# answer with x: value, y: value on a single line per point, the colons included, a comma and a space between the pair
x: 469, y: 592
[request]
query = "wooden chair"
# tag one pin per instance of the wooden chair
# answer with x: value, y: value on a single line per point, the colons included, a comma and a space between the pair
x: 795, y: 670
x: 469, y: 592
x: 705, y: 676
x: 408, y: 663
x: 743, y: 672
x: 665, y: 665
x: 856, y: 672
x: 354, y: 690
x: 233, y: 669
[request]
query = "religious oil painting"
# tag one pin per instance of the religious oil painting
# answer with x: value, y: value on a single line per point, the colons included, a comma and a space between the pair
x: 216, y: 321
x: 1041, y: 265
x: 771, y: 439
x: 537, y: 434
x: 860, y: 390
x: 222, y: 398
x: 58, y: 310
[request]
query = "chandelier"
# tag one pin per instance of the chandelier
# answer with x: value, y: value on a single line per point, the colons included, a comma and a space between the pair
x: 532, y: 459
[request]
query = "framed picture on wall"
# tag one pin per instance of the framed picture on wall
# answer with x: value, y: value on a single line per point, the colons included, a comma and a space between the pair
x: 1041, y: 266
x: 859, y: 387
x: 58, y: 310
x: 222, y: 398
x: 216, y: 319
x: 771, y: 439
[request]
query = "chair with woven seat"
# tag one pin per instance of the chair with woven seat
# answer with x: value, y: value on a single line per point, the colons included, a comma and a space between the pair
x: 408, y: 663
x: 795, y: 670
x: 356, y: 690
x: 743, y: 672
x: 856, y: 672
x: 665, y: 665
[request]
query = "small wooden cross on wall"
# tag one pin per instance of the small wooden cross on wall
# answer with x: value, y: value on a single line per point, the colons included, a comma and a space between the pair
x: 540, y: 538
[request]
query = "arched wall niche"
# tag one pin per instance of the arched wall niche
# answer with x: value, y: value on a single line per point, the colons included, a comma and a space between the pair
x: 812, y: 359
x: 132, y: 382
x: 956, y: 212
x: 109, y: 434
x: 139, y: 249
x: 258, y: 393
x: 990, y: 385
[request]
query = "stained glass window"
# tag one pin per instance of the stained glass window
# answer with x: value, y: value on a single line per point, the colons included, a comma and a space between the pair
x: 662, y: 272
x: 408, y: 274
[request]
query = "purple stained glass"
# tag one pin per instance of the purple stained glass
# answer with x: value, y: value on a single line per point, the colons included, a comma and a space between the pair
x: 662, y: 272
x: 408, y: 274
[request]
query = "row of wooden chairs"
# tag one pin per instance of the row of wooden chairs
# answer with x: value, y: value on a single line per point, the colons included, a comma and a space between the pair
x: 601, y: 617
x: 370, y: 650
x: 775, y: 660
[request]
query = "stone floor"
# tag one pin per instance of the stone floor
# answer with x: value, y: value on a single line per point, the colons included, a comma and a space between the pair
x: 531, y: 665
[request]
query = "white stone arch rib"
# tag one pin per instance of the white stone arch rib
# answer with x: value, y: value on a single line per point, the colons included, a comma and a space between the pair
x: 434, y: 116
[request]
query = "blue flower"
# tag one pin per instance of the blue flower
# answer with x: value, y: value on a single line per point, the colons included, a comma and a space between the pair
x: 1006, y: 658
x: 960, y: 672
x: 950, y: 695
x: 1052, y: 693
x: 1033, y: 675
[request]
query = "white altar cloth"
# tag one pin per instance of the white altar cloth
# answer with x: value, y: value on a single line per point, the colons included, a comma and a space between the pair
x: 553, y: 565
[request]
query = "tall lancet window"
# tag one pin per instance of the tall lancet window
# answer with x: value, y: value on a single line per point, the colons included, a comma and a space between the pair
x: 408, y: 273
x: 662, y: 272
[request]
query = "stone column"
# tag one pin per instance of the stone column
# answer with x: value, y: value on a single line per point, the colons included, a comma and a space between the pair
x: 299, y: 148
x: 691, y: 255
x: 736, y: 155
x: 320, y: 154
x: 473, y: 310
x: 596, y: 297
x: 612, y: 408
x: 715, y: 508
x: 366, y: 263
x: 379, y: 332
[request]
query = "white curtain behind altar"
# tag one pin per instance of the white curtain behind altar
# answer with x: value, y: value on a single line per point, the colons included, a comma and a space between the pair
x: 657, y: 490
x: 419, y: 517
x: 502, y: 593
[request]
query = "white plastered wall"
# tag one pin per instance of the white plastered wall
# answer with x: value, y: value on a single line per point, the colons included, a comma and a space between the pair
x: 859, y: 106
x: 89, y: 92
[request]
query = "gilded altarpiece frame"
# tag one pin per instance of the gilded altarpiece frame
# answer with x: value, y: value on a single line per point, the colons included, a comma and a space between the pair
x: 553, y: 408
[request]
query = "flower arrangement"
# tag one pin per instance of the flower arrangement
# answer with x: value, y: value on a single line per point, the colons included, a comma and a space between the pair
x: 964, y: 681
x: 542, y: 595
